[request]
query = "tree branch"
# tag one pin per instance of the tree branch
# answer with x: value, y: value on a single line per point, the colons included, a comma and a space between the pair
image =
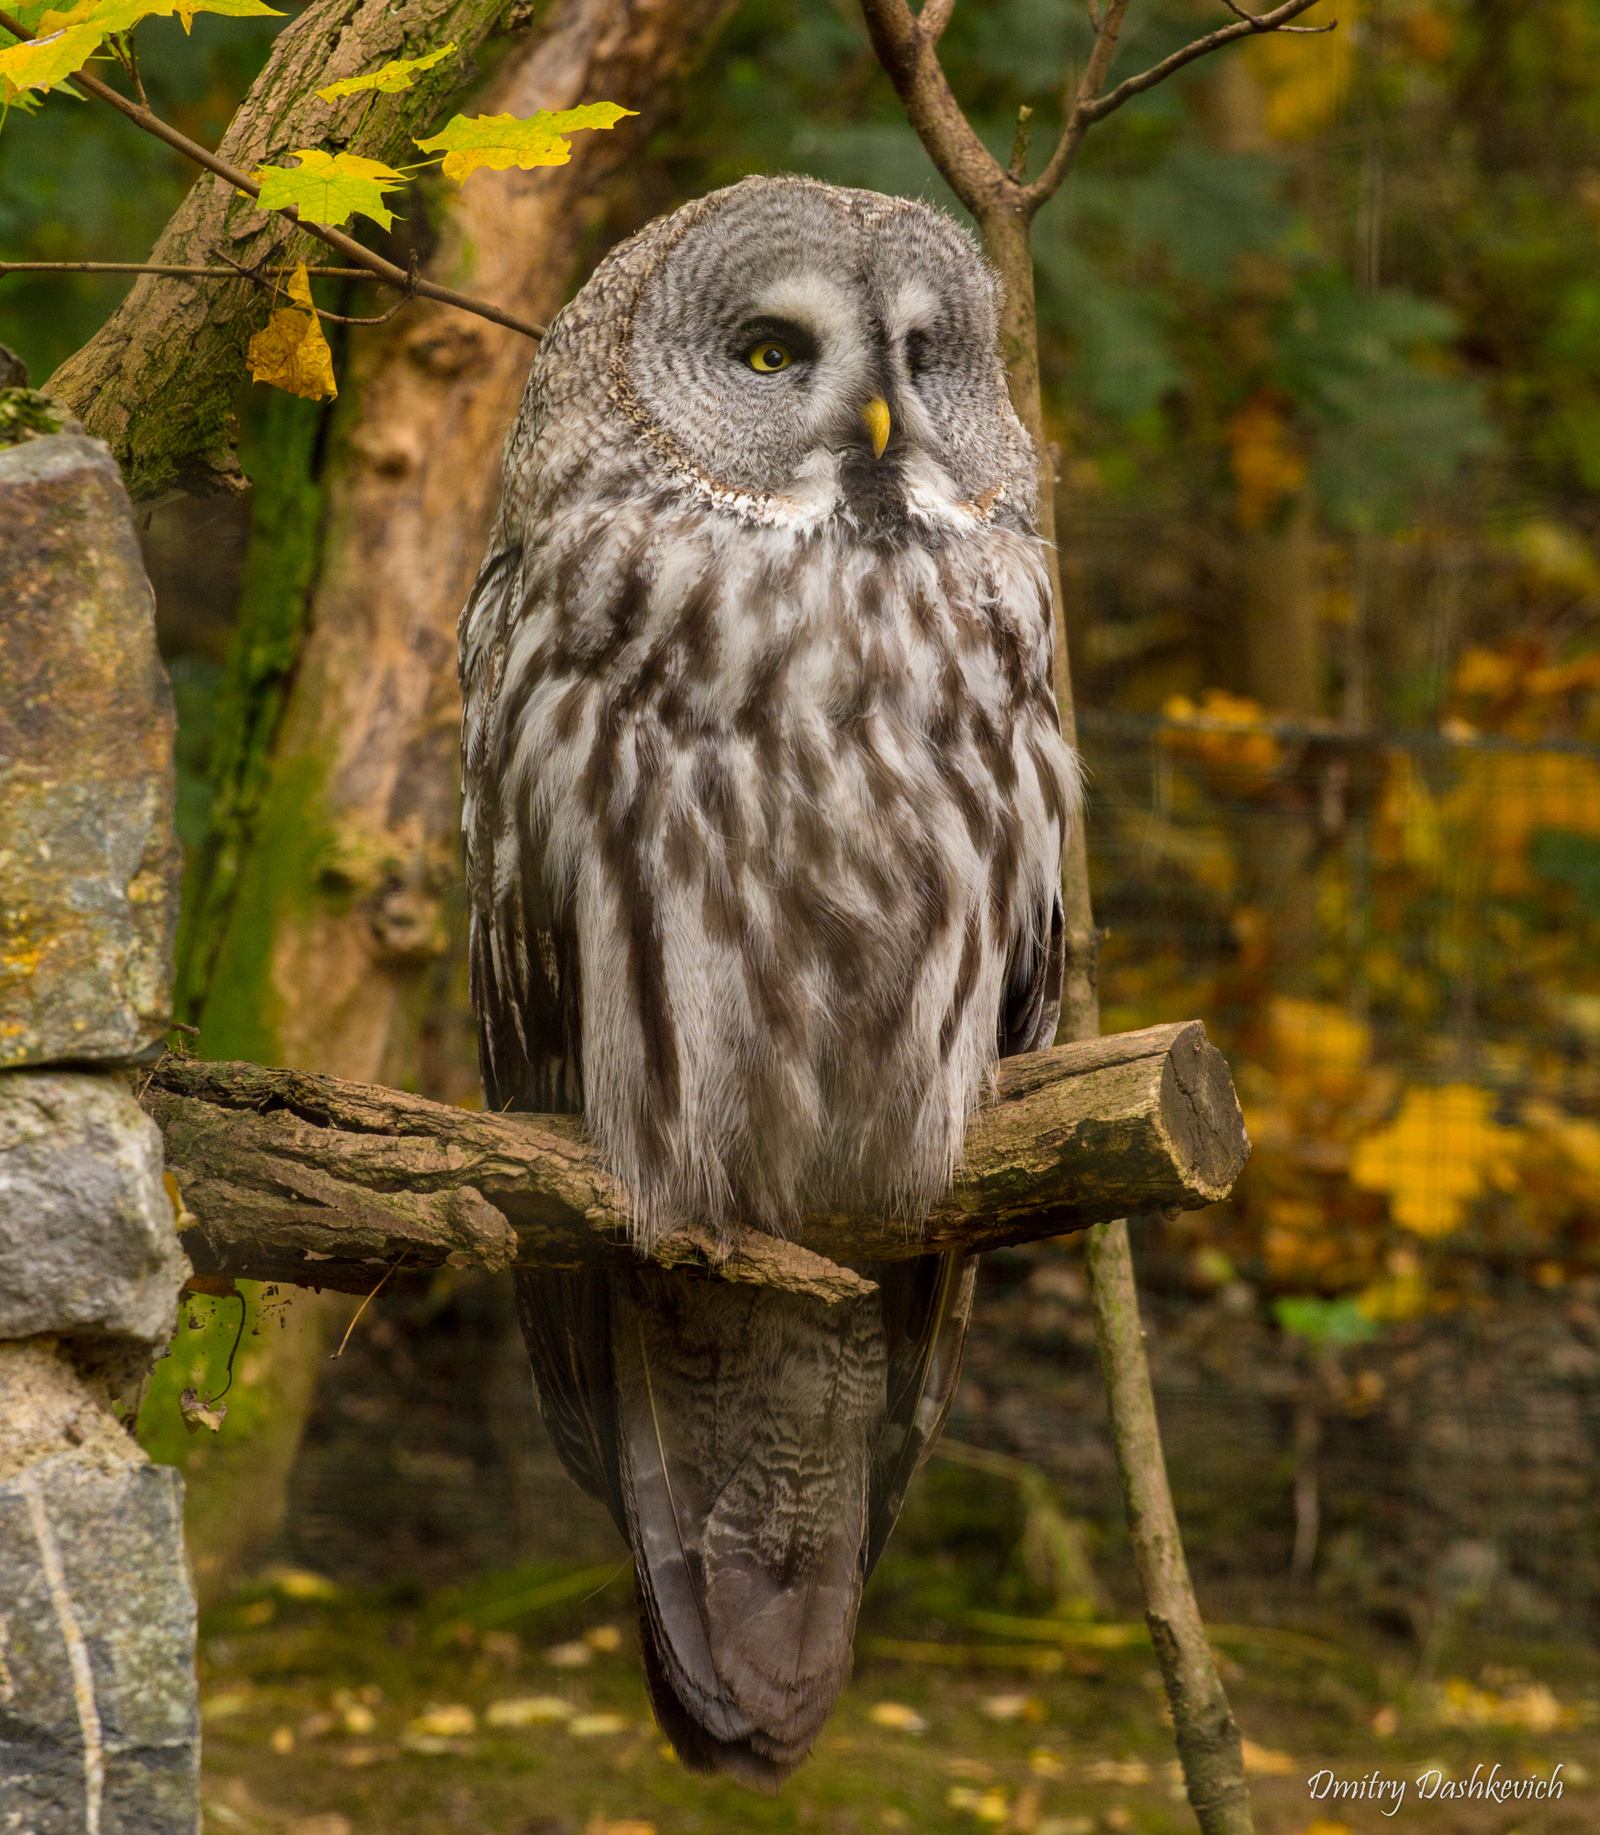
x: 933, y: 19
x: 385, y: 271
x: 309, y: 1180
x: 1089, y: 106
x: 907, y: 47
x: 138, y: 267
x: 908, y: 51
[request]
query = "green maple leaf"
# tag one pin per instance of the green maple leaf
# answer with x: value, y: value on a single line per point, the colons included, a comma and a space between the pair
x: 329, y: 188
x: 502, y: 141
x: 397, y: 75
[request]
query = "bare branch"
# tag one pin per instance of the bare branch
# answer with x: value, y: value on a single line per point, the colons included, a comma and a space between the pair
x: 139, y: 267
x: 1107, y: 29
x: 386, y: 271
x: 933, y: 19
x: 1089, y: 106
x: 1021, y: 140
x: 1258, y: 24
x: 274, y: 287
x: 907, y: 49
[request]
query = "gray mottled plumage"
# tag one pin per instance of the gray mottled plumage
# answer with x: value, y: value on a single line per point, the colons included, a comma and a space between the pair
x: 765, y: 802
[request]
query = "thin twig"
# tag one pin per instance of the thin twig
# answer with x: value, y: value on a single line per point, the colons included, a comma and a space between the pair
x: 1021, y: 140
x: 142, y: 267
x: 1257, y: 23
x: 366, y: 1303
x: 907, y: 47
x: 238, y: 1336
x: 1249, y: 24
x: 333, y: 318
x: 386, y: 271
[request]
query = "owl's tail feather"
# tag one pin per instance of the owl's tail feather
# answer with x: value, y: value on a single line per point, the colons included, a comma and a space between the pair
x: 746, y: 1420
x: 754, y: 1448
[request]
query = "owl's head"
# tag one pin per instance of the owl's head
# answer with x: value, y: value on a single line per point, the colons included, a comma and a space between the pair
x: 796, y: 351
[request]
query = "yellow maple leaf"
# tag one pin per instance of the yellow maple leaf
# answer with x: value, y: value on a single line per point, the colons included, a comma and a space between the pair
x: 329, y: 187
x: 124, y: 15
x: 41, y: 63
x: 1437, y: 1157
x: 499, y: 142
x: 290, y: 351
x: 399, y: 73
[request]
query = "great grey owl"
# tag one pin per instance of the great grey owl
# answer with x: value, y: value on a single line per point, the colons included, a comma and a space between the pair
x: 765, y: 799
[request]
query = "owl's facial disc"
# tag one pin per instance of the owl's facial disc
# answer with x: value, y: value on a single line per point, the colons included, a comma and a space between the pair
x: 829, y: 348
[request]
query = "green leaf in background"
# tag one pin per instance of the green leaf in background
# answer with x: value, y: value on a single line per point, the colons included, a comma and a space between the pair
x: 1364, y: 370
x: 1573, y: 860
x: 1125, y: 361
x: 1324, y: 1322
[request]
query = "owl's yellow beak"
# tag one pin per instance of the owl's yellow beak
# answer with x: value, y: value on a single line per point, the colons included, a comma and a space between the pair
x: 876, y: 415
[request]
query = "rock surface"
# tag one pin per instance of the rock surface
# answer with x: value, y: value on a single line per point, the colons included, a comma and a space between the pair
x: 89, y: 857
x: 98, y: 1726
x: 89, y: 1243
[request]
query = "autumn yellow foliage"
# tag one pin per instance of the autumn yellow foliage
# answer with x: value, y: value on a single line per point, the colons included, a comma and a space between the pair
x: 1438, y: 1155
x: 290, y: 351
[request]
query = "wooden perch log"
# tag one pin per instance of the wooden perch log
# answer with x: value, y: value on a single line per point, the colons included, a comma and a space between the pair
x: 308, y: 1180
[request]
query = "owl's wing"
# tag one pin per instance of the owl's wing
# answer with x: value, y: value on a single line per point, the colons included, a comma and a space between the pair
x: 926, y: 1306
x: 525, y: 991
x: 523, y: 955
x: 1033, y: 984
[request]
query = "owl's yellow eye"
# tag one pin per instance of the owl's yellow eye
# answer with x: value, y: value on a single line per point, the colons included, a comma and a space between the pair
x: 767, y: 356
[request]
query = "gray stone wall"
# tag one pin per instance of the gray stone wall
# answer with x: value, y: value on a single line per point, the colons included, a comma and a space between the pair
x: 99, y: 1730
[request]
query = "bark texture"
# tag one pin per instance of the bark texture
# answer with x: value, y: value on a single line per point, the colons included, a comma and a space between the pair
x: 159, y: 380
x: 308, y: 1180
x: 1207, y: 1733
x: 330, y: 973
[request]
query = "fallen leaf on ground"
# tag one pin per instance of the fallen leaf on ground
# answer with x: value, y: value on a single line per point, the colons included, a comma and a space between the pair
x: 897, y: 1715
x: 1118, y: 1771
x: 1262, y: 1762
x: 454, y: 1720
x: 569, y: 1656
x: 528, y: 1711
x: 986, y: 1805
x: 591, y: 1726
x: 1012, y: 1707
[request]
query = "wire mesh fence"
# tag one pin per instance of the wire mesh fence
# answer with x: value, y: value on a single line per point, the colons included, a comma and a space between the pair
x: 1378, y: 1364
